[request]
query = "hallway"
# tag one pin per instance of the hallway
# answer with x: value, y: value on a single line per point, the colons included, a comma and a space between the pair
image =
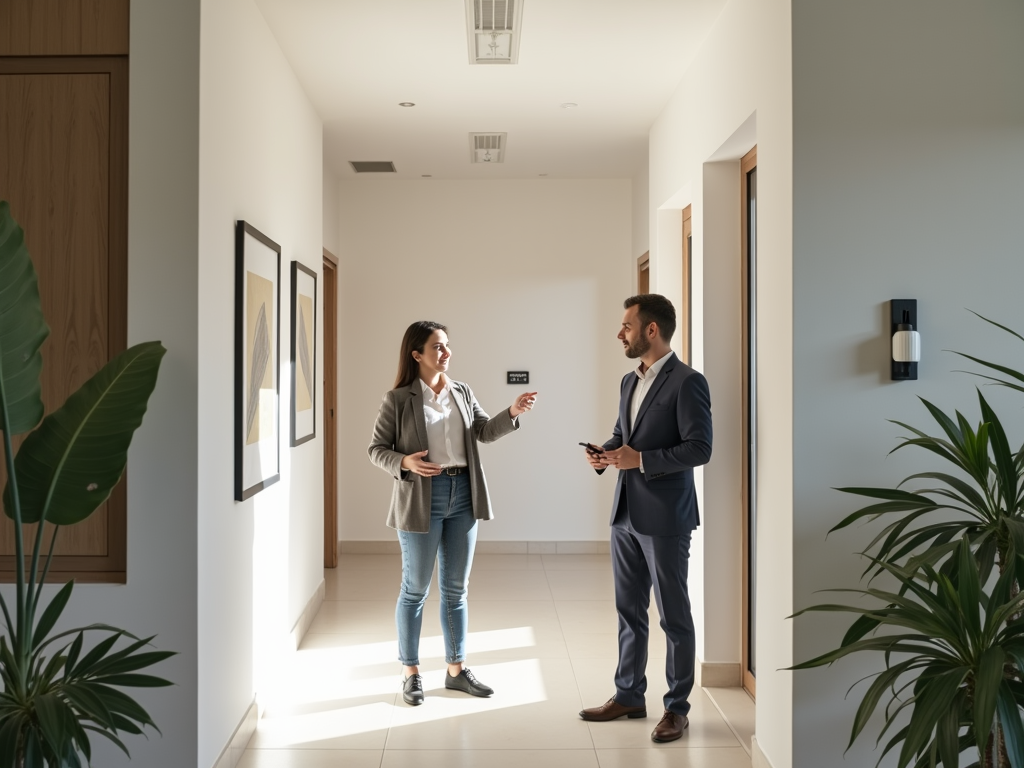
x: 542, y: 633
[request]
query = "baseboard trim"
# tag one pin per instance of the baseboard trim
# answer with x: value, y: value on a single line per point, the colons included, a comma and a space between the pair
x: 308, y: 614
x: 758, y: 759
x: 488, y: 547
x: 235, y: 748
x: 714, y: 674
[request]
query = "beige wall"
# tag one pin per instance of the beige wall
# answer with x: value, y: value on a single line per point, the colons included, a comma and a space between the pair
x: 527, y: 275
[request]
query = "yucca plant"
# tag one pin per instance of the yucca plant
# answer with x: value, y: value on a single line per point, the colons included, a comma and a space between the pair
x: 1015, y: 378
x: 988, y: 495
x: 951, y: 652
x: 60, y: 688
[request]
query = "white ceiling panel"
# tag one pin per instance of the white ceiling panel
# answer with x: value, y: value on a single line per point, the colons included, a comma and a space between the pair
x: 618, y: 60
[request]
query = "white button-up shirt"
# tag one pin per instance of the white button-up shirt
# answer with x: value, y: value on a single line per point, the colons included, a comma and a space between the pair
x: 640, y: 392
x: 446, y: 432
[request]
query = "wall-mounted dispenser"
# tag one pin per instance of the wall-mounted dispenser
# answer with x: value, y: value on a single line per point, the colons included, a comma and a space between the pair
x: 906, y: 340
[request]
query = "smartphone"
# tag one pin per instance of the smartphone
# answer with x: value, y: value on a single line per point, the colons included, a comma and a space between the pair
x: 592, y: 449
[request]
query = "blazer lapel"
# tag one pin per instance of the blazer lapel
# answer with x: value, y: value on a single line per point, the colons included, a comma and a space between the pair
x: 624, y: 408
x: 659, y: 382
x: 415, y: 402
x: 460, y: 401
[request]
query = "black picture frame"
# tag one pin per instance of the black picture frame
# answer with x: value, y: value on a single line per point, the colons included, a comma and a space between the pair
x: 257, y: 361
x: 303, y: 354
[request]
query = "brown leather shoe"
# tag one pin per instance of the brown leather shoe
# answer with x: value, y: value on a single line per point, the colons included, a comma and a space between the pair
x: 670, y: 727
x: 612, y: 710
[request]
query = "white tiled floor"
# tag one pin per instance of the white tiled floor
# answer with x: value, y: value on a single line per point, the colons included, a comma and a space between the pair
x: 542, y: 634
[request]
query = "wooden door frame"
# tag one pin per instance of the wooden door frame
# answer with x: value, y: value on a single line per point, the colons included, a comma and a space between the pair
x: 686, y: 353
x: 330, y: 368
x: 643, y: 269
x: 747, y: 164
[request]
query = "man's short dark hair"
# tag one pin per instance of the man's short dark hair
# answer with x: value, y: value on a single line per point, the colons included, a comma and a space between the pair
x: 654, y: 308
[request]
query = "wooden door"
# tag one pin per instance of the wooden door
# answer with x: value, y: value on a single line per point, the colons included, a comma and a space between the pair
x: 643, y: 274
x: 748, y: 271
x: 64, y: 171
x: 330, y: 368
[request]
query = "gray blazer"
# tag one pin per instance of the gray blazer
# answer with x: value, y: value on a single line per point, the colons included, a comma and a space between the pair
x: 401, y: 429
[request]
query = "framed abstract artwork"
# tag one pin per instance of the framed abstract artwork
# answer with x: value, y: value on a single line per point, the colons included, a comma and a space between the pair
x: 257, y: 361
x: 303, y: 354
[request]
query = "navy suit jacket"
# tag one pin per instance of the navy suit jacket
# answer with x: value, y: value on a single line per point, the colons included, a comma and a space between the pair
x: 673, y: 434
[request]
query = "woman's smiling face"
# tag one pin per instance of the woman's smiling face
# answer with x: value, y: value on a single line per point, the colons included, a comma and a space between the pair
x: 435, y: 355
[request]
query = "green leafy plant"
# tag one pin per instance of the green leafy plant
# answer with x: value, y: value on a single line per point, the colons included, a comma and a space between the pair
x: 990, y: 499
x: 951, y: 659
x: 958, y: 670
x: 57, y: 688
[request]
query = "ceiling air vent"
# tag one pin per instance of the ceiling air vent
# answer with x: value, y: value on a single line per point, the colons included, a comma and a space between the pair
x: 493, y: 27
x: 372, y: 166
x: 487, y: 147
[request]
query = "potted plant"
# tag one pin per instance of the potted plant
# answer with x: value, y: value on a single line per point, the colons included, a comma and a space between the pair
x: 59, y: 688
x: 953, y: 652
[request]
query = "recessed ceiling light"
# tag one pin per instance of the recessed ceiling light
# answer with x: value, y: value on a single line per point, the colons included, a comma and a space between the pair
x: 406, y: 104
x: 569, y: 105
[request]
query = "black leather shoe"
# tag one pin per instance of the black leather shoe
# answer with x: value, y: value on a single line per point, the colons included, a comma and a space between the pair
x: 466, y: 682
x: 412, y: 690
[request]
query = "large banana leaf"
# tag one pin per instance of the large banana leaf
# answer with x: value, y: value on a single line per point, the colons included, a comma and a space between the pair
x: 22, y: 329
x: 69, y: 465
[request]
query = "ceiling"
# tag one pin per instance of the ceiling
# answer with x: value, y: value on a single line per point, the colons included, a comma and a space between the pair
x: 619, y: 60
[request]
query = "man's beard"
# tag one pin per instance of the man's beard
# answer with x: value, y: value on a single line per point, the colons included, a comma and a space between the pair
x: 639, y: 348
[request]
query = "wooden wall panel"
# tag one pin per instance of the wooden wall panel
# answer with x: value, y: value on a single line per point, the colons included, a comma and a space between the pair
x: 63, y: 168
x: 64, y: 27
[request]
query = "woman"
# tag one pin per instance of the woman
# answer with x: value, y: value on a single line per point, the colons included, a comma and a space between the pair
x: 426, y: 438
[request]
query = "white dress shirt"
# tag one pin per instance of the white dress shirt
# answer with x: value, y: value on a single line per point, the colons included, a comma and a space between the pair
x: 446, y: 431
x: 642, y: 388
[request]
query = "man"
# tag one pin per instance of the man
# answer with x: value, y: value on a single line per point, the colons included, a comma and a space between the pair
x: 663, y: 431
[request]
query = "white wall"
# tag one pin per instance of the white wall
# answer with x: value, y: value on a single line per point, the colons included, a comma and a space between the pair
x: 641, y: 202
x: 908, y: 127
x: 743, y: 70
x: 332, y: 235
x: 260, y: 560
x: 527, y: 275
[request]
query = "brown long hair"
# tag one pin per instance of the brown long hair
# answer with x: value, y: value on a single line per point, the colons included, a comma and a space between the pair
x: 416, y: 336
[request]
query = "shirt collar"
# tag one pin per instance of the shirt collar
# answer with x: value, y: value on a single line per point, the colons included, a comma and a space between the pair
x: 429, y: 394
x: 654, y: 370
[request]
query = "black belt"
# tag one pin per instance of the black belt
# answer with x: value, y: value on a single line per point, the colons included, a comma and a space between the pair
x: 454, y: 470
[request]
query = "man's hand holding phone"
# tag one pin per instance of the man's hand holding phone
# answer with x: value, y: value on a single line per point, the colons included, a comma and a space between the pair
x: 594, y: 455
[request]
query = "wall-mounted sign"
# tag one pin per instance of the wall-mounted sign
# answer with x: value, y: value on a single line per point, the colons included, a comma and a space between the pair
x: 518, y: 377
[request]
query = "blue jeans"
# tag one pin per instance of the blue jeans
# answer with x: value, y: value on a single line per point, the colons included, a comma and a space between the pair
x: 451, y: 540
